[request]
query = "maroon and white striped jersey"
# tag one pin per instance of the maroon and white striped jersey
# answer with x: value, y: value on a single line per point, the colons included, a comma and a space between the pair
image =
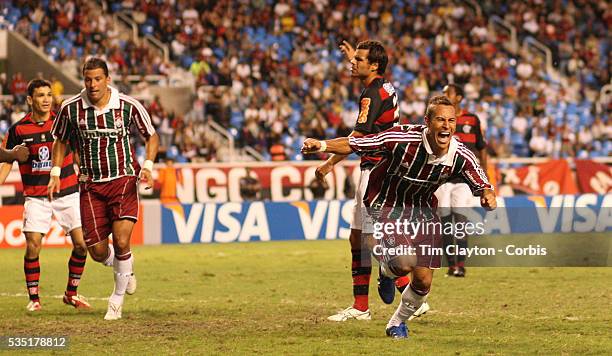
x: 103, y: 136
x: 409, y: 173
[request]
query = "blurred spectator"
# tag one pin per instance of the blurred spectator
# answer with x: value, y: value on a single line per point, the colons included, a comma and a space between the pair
x: 249, y: 186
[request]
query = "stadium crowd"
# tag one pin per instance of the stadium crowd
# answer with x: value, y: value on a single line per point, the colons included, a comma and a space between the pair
x: 273, y: 72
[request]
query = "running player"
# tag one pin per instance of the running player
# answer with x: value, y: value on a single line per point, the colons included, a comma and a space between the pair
x: 34, y: 131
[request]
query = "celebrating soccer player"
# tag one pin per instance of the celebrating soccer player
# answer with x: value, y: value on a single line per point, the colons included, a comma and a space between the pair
x: 378, y: 111
x: 416, y: 160
x: 34, y: 132
x: 100, y: 119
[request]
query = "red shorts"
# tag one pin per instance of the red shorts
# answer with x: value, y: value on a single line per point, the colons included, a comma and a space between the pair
x: 105, y: 202
x: 425, y: 244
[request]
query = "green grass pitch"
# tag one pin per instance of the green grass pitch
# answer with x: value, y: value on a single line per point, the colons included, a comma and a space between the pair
x: 273, y: 298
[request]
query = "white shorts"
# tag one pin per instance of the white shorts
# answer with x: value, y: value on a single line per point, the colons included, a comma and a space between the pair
x: 38, y: 212
x: 361, y: 220
x: 454, y: 196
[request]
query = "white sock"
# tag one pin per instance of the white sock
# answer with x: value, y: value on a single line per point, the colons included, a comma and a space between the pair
x: 386, y: 271
x: 108, y: 262
x: 123, y: 271
x: 411, y: 301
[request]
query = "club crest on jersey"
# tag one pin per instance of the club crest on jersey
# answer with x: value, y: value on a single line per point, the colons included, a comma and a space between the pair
x: 43, y: 163
x: 118, y: 119
x: 467, y: 128
x: 364, y: 110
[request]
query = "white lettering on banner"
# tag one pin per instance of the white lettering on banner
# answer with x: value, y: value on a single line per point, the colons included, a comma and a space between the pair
x: 235, y: 174
x: 255, y: 223
x: 227, y: 220
x: 6, y: 191
x: 208, y: 225
x: 340, y: 176
x: 582, y: 210
x: 276, y: 184
x: 497, y: 220
x: 216, y: 193
x: 511, y: 177
x: 347, y: 215
x: 312, y: 225
x: 185, y: 231
x: 567, y: 213
x: 12, y: 233
x: 604, y: 220
x: 548, y: 216
x: 532, y: 178
x: 601, y: 182
x: 185, y: 192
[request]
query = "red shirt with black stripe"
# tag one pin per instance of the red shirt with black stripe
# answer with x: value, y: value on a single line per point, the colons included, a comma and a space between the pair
x: 469, y: 132
x: 378, y: 111
x: 35, y: 171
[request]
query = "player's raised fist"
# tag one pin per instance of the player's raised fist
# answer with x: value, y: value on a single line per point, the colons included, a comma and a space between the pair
x: 21, y: 153
x: 347, y: 49
x: 311, y: 146
x: 487, y: 200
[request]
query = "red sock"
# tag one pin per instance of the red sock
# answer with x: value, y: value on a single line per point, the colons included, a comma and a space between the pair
x: 361, y: 269
x: 76, y: 265
x: 31, y: 267
x: 402, y: 282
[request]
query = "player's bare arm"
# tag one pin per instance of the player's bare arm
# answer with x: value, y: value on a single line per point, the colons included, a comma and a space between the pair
x: 488, y: 199
x: 146, y: 173
x: 328, y: 165
x: 18, y: 153
x: 347, y: 49
x: 338, y: 146
x: 57, y: 160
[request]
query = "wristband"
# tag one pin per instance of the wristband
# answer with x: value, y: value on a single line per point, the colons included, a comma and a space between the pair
x: 56, y: 171
x: 148, y: 165
x: 323, y: 146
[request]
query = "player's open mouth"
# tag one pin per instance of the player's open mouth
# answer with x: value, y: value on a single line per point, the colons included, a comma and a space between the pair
x: 444, y: 137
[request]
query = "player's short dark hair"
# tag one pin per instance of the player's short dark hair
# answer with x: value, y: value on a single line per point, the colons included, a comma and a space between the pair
x: 436, y: 101
x: 95, y: 63
x: 457, y: 88
x: 37, y: 83
x: 376, y: 54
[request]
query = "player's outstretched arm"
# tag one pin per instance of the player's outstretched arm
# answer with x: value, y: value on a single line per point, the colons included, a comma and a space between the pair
x: 146, y: 173
x: 488, y: 199
x: 337, y: 145
x: 58, y: 152
x: 19, y: 153
x: 328, y: 165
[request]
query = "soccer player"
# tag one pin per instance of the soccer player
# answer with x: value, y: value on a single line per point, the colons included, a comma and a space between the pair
x: 416, y: 160
x: 378, y: 111
x: 99, y: 119
x: 34, y: 132
x: 455, y: 195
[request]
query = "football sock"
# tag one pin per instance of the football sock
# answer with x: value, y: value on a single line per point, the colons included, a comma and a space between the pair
x: 361, y: 269
x: 76, y: 265
x: 31, y: 267
x: 122, y: 267
x: 448, y: 240
x: 401, y: 283
x: 108, y: 262
x: 411, y: 301
x: 462, y: 243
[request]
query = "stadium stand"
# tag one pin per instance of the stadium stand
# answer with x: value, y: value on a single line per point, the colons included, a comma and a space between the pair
x: 274, y: 74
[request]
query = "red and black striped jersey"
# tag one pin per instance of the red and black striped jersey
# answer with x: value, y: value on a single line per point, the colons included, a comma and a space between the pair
x: 103, y: 135
x: 35, y: 171
x: 378, y: 111
x: 469, y: 132
x: 409, y: 173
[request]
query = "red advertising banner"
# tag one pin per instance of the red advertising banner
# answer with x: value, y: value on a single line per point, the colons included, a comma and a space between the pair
x: 550, y: 178
x: 11, y: 222
x: 593, y: 177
